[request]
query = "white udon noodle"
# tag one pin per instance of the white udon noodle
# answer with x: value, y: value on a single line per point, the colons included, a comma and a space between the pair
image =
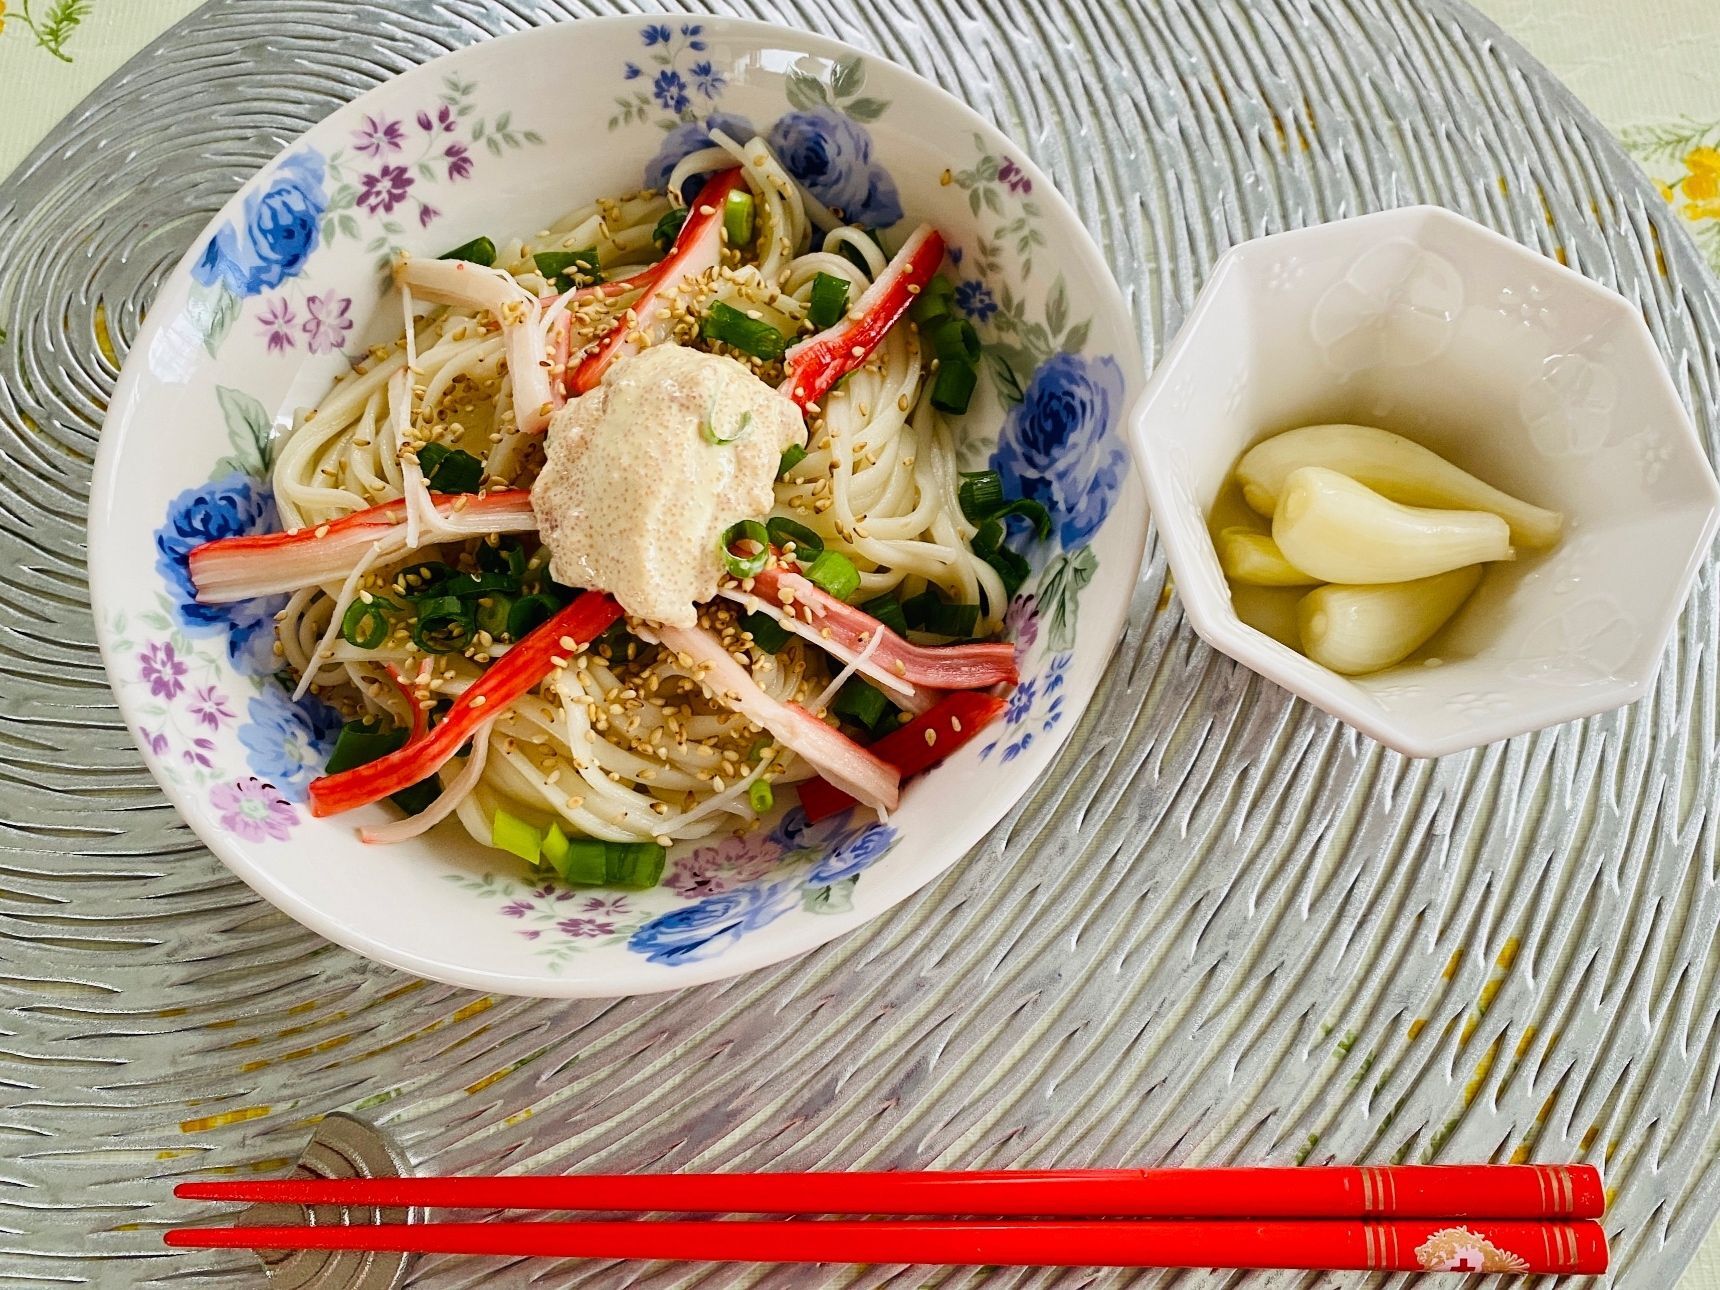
x: 879, y: 483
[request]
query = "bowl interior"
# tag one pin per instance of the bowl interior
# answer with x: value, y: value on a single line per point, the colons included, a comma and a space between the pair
x: 1509, y: 365
x: 499, y: 139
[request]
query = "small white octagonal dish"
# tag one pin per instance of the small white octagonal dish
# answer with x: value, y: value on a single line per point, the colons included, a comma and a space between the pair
x: 1521, y: 371
x: 281, y: 292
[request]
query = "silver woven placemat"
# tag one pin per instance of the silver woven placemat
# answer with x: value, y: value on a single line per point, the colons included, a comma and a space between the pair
x: 1223, y: 929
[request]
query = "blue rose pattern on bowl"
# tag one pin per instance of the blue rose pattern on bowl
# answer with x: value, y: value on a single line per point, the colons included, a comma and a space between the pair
x: 1060, y: 444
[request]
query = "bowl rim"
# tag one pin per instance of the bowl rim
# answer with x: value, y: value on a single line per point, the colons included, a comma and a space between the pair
x: 1217, y: 623
x: 1105, y: 622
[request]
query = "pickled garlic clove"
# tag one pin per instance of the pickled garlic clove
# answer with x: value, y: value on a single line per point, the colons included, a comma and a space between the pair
x: 1341, y: 531
x: 1254, y: 558
x: 1355, y: 630
x: 1393, y: 466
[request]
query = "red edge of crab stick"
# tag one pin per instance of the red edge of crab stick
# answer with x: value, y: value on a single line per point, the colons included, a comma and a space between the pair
x: 498, y: 688
x: 698, y: 247
x: 955, y: 720
x: 820, y: 361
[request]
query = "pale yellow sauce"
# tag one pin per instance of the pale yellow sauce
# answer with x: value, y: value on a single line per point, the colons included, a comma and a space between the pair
x: 634, y: 498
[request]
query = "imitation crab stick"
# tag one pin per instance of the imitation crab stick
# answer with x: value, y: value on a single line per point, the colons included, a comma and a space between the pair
x: 698, y: 249
x: 862, y: 776
x: 238, y: 568
x: 498, y: 688
x: 820, y: 361
x: 847, y: 632
x: 921, y: 744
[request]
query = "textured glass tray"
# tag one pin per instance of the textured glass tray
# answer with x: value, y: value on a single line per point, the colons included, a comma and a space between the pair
x: 1223, y: 929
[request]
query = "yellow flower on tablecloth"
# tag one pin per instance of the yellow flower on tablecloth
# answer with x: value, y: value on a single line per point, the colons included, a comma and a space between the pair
x: 1701, y: 186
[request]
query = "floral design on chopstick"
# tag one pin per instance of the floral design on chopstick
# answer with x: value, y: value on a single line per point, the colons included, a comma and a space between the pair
x: 386, y: 177
x: 1458, y: 1249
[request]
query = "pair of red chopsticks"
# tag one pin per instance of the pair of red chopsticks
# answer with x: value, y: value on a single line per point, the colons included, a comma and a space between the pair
x: 1535, y: 1219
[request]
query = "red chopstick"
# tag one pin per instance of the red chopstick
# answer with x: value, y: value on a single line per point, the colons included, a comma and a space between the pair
x: 1404, y: 1245
x: 1434, y: 1191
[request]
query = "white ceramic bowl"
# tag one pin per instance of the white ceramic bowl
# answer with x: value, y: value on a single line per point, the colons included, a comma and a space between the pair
x: 499, y: 138
x: 1516, y: 368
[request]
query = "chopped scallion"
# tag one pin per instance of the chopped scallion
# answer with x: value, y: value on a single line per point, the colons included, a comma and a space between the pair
x: 450, y: 470
x: 954, y: 339
x: 752, y: 336
x: 887, y: 610
x: 738, y: 217
x: 444, y: 625
x: 759, y: 796
x: 739, y: 430
x: 753, y: 563
x: 1032, y: 511
x: 980, y: 493
x: 529, y: 612
x: 588, y: 862
x: 366, y: 624
x: 952, y: 388
x: 362, y: 742
x: 836, y: 573
x: 862, y: 703
x: 1012, y: 568
x: 807, y: 544
x: 492, y: 614
x: 768, y: 634
x: 932, y: 303
x: 510, y: 833
x: 569, y: 269
x: 928, y: 612
x: 829, y: 300
x: 668, y: 227
x: 553, y: 849
x: 480, y: 250
x: 792, y: 456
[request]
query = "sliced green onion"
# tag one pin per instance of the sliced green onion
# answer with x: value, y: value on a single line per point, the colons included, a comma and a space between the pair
x: 419, y: 796
x: 829, y: 300
x: 759, y: 748
x: 980, y: 493
x: 746, y: 566
x: 510, y: 833
x: 768, y: 634
x: 569, y: 269
x: 470, y: 585
x: 1032, y: 511
x: 668, y: 227
x: 1012, y: 568
x: 952, y: 388
x: 928, y: 612
x: 421, y: 578
x: 807, y: 544
x: 741, y: 428
x: 480, y: 250
x: 759, y: 796
x: 591, y: 863
x: 492, y: 614
x: 887, y: 610
x: 749, y: 335
x: 738, y: 217
x: 933, y: 302
x: 836, y: 573
x: 529, y: 612
x: 444, y: 625
x: 450, y: 470
x: 366, y: 624
x: 862, y: 703
x: 954, y: 338
x: 792, y: 456
x: 502, y: 557
x: 553, y: 849
x: 362, y: 742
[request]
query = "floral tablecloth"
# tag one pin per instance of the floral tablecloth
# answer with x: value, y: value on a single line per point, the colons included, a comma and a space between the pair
x: 1650, y: 69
